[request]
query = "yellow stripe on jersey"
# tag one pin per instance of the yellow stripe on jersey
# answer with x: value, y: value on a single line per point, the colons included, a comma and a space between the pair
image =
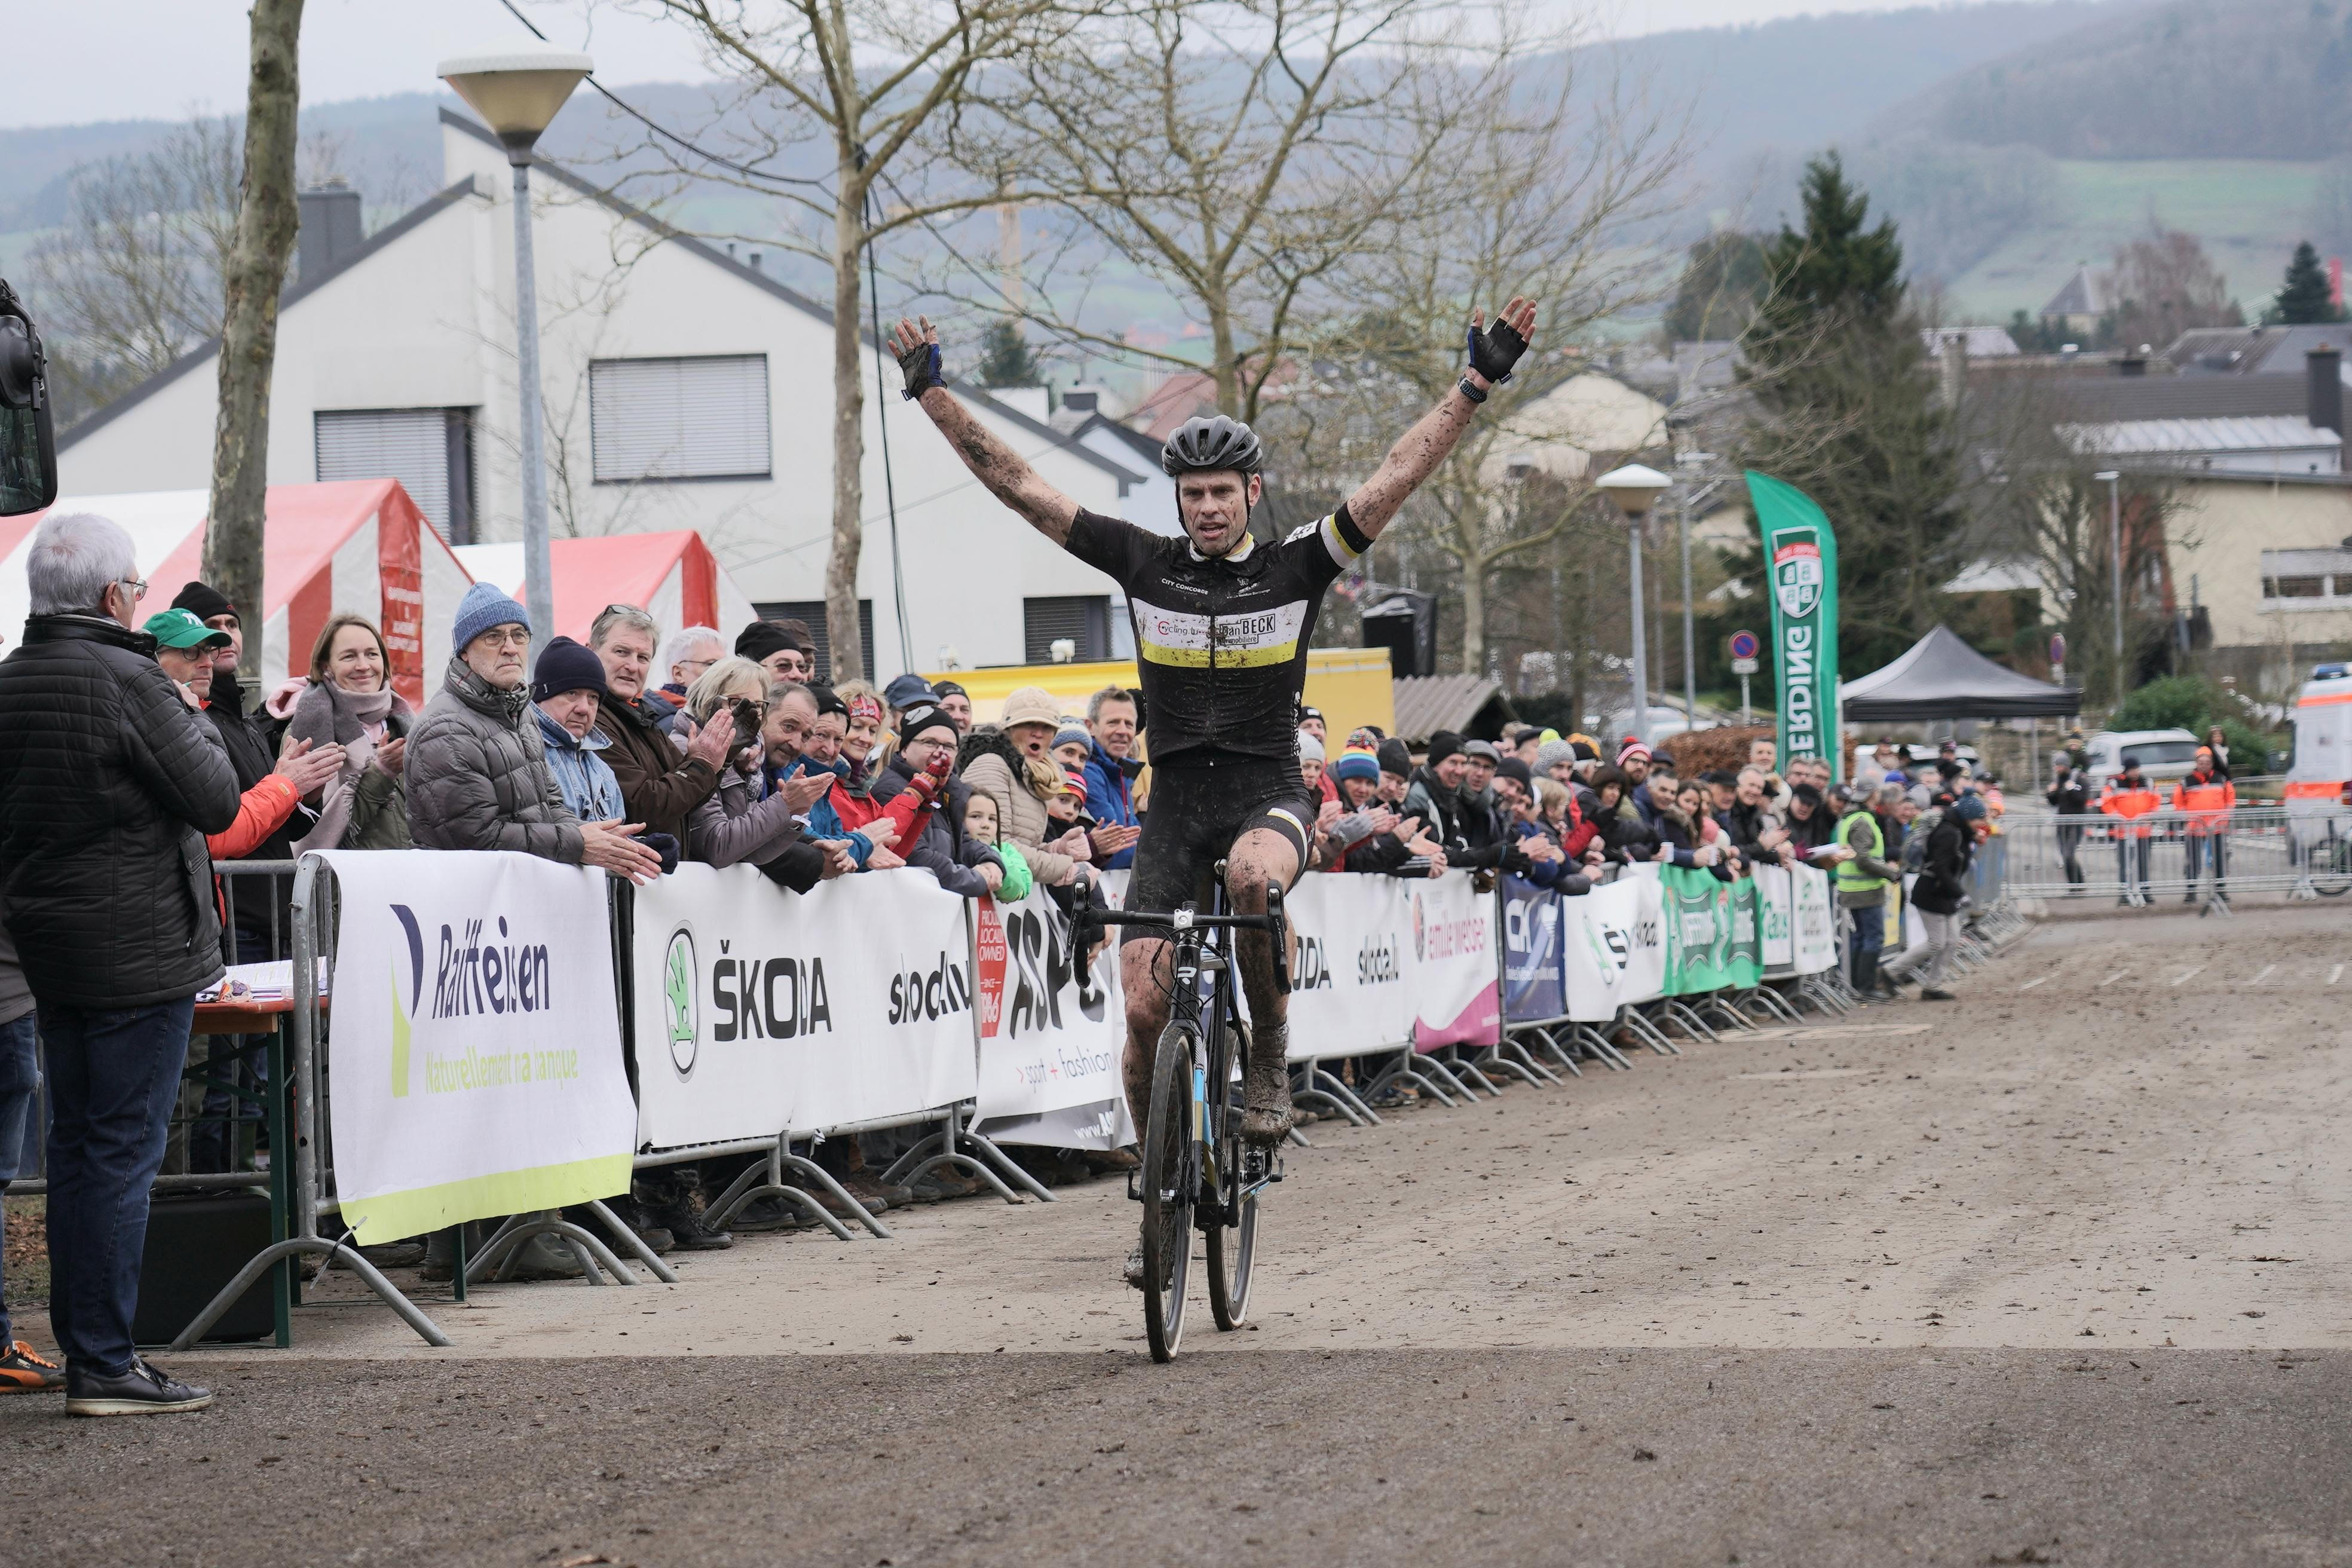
x: 1251, y: 639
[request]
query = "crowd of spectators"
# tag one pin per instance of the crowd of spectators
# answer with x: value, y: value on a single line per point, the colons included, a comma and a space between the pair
x: 131, y: 763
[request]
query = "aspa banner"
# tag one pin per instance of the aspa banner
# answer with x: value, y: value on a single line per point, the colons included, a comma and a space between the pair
x: 1052, y: 1027
x: 1613, y: 947
x: 1454, y: 980
x: 1531, y: 972
x: 1353, y: 983
x: 759, y: 1010
x: 476, y: 1040
x: 1800, y: 565
x: 1711, y: 935
x: 1815, y: 921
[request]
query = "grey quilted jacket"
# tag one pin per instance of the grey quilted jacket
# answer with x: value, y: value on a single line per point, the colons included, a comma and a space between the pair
x: 477, y: 774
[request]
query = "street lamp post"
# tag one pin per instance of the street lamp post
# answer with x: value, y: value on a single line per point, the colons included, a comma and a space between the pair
x: 517, y: 95
x: 1690, y: 674
x: 1635, y: 488
x: 2113, y: 480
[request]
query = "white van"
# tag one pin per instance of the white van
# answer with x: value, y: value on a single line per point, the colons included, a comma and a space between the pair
x: 2322, y: 762
x: 2163, y: 755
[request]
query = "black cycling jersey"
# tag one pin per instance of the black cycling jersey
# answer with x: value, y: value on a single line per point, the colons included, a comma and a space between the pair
x: 1222, y: 644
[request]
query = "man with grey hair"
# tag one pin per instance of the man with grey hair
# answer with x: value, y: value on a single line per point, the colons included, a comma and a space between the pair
x: 109, y: 781
x: 660, y: 787
x: 686, y: 654
x: 1111, y: 771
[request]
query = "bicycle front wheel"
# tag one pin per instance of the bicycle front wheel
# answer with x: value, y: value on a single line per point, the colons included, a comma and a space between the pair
x: 1230, y: 1245
x: 2331, y: 865
x: 1167, y: 1179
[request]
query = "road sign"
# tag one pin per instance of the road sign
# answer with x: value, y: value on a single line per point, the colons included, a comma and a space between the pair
x: 2058, y: 647
x: 1743, y: 667
x: 1744, y: 647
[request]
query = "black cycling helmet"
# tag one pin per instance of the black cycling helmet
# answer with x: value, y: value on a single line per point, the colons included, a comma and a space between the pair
x: 1201, y: 446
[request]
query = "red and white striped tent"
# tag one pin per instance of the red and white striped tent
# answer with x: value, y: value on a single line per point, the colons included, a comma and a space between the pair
x: 358, y: 544
x: 673, y: 576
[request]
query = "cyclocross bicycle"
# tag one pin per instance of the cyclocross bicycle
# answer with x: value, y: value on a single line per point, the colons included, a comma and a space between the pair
x: 1197, y: 1171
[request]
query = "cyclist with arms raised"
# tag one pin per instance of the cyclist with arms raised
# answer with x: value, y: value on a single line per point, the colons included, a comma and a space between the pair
x: 1223, y: 624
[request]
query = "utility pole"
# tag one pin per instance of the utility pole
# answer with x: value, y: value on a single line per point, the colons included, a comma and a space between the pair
x: 2114, y: 482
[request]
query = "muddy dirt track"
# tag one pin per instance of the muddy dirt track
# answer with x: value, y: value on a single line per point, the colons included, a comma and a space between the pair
x: 2054, y: 1273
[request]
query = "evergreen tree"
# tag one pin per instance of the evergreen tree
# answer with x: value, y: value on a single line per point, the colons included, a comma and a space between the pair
x: 1847, y: 411
x: 2305, y: 296
x: 1005, y: 357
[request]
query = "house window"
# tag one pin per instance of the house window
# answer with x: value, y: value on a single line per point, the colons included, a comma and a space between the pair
x: 1082, y: 618
x: 2295, y: 588
x: 665, y: 419
x: 811, y: 614
x: 429, y: 450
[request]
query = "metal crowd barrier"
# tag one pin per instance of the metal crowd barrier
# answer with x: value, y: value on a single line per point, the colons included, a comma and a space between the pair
x: 2174, y: 853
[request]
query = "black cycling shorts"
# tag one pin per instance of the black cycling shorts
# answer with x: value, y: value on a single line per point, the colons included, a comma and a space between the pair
x: 1197, y: 811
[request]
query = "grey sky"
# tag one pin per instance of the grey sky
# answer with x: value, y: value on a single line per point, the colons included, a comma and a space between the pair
x: 81, y: 60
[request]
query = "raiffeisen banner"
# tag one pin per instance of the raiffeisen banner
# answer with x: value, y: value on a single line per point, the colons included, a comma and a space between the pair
x: 475, y: 1040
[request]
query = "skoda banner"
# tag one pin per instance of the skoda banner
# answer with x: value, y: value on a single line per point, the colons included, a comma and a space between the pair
x: 1800, y: 563
x: 759, y: 1010
x: 1613, y: 947
x: 477, y: 1050
x: 1774, y: 902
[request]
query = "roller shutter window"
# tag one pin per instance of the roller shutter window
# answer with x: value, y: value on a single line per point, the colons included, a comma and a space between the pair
x: 428, y: 450
x: 810, y: 613
x: 701, y: 418
x: 1083, y: 618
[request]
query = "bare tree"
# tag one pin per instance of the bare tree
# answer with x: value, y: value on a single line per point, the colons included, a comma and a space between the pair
x: 863, y: 80
x: 1538, y: 197
x: 266, y: 219
x: 2164, y: 284
x: 134, y: 274
x: 1236, y: 152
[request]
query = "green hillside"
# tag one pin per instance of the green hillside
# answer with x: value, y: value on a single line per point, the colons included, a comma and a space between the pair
x: 2248, y: 212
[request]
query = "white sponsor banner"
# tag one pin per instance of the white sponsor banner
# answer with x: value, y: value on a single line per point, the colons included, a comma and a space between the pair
x: 1048, y: 1042
x: 1614, y: 946
x: 1352, y: 982
x: 1776, y: 903
x: 475, y: 1040
x: 1815, y: 934
x: 758, y: 1010
x: 1455, y: 983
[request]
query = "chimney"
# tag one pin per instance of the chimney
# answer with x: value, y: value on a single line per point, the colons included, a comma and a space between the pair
x: 329, y: 230
x: 2132, y: 365
x: 2323, y: 373
x: 1083, y: 400
x: 1952, y: 366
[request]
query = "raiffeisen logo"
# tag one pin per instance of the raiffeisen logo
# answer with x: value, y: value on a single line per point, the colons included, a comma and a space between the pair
x: 471, y: 976
x: 402, y: 1010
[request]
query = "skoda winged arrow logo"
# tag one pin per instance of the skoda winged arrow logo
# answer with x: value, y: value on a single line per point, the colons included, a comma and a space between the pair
x: 681, y: 1006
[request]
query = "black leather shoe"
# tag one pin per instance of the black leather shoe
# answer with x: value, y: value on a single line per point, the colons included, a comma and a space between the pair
x: 141, y: 1391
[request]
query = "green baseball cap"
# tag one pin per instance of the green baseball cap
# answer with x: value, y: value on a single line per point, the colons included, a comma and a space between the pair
x: 181, y: 629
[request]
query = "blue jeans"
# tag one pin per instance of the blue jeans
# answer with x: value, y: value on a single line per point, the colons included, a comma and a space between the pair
x: 20, y: 1078
x: 1869, y: 937
x: 114, y: 1074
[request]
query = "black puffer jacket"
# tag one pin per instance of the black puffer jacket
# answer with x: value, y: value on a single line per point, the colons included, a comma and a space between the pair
x: 108, y: 785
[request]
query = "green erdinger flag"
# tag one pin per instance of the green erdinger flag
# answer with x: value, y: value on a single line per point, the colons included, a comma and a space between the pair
x: 1712, y: 939
x: 1800, y: 565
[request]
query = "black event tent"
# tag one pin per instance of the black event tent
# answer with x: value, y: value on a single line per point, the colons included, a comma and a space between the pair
x: 1942, y: 677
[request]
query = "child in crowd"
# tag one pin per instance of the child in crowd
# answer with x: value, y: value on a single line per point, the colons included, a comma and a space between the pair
x: 1073, y: 746
x: 980, y: 827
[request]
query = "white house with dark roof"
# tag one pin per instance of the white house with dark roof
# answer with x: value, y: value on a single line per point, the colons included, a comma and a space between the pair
x: 684, y: 389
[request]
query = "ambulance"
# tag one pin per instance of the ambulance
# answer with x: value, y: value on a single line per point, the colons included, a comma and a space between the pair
x: 2318, y: 789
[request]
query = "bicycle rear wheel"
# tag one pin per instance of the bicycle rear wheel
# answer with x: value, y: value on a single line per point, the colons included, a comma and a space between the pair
x: 1167, y: 1179
x: 1230, y: 1248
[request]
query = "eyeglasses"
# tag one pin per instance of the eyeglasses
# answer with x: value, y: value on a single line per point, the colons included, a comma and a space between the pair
x: 137, y: 586
x: 696, y: 663
x: 509, y: 635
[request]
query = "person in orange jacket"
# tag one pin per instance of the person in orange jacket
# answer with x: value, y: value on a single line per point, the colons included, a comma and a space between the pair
x: 2205, y: 799
x: 2127, y: 798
